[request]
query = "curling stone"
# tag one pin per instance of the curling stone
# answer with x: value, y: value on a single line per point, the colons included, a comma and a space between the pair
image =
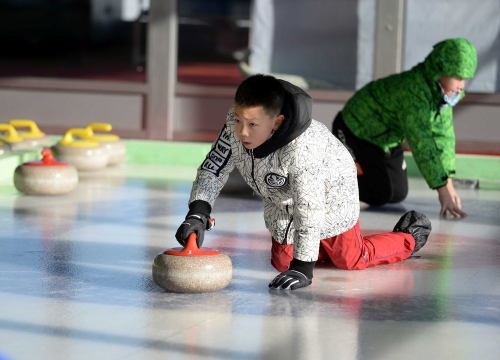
x: 12, y: 138
x: 192, y: 270
x: 4, y: 147
x: 32, y: 136
x: 45, y: 177
x: 114, y: 146
x: 82, y: 154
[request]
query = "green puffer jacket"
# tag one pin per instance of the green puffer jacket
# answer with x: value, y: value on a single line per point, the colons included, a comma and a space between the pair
x: 387, y: 111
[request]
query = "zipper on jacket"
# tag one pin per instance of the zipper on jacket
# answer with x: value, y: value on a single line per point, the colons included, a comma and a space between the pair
x: 287, y: 227
x: 253, y: 177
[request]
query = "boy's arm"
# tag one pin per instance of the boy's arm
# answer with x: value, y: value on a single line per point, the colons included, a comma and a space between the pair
x: 432, y: 144
x: 213, y: 173
x: 433, y: 148
x: 308, y: 212
x: 308, y: 218
x: 211, y: 176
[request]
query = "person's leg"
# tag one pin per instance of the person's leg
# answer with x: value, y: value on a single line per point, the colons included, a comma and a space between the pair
x: 374, y: 183
x: 352, y: 251
x: 396, y: 169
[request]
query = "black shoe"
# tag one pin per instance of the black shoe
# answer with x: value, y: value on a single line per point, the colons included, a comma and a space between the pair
x: 417, y: 225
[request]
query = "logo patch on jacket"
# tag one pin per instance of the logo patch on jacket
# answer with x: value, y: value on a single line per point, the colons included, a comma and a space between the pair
x: 218, y: 157
x: 275, y: 180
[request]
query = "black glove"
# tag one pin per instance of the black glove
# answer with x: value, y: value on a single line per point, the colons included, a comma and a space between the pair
x: 299, y: 275
x: 195, y: 222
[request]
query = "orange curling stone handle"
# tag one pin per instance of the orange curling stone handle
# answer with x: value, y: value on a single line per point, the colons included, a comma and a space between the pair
x: 47, y: 160
x: 191, y: 249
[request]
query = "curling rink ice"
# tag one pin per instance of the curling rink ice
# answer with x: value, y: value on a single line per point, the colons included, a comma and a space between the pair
x: 75, y: 280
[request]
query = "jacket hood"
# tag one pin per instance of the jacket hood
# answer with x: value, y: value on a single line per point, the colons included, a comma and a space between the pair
x: 451, y: 57
x: 297, y: 110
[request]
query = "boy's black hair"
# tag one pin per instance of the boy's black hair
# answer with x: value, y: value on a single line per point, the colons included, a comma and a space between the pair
x: 261, y: 90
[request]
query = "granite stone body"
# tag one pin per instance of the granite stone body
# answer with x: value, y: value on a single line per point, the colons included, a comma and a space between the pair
x: 4, y: 148
x: 116, y: 151
x: 192, y: 274
x: 20, y: 145
x: 83, y: 158
x: 45, y: 180
x: 42, y: 141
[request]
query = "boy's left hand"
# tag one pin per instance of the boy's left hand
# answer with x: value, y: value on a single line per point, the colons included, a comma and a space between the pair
x: 299, y: 275
x: 450, y: 201
x: 290, y: 280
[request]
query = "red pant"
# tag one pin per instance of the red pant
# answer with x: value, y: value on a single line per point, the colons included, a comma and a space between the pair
x: 352, y: 251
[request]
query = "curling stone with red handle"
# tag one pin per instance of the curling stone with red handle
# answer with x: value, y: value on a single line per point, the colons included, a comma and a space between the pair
x: 192, y: 270
x: 45, y: 177
x: 29, y: 131
x: 82, y: 154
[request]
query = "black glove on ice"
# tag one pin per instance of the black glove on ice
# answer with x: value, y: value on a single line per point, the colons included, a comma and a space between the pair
x: 195, y: 222
x: 299, y: 275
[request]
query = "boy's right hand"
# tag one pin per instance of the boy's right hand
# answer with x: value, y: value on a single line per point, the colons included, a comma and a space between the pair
x: 194, y: 223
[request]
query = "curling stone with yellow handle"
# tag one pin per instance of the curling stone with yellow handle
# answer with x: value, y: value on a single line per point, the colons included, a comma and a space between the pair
x: 192, y: 270
x: 114, y: 146
x: 45, y: 177
x: 82, y: 154
x: 29, y: 131
x: 10, y: 136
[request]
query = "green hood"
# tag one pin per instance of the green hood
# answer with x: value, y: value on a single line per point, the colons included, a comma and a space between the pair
x: 452, y: 57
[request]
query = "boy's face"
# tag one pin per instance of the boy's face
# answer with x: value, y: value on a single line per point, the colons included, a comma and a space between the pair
x: 452, y: 84
x: 253, y: 126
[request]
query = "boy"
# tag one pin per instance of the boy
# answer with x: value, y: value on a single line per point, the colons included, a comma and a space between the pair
x: 307, y: 180
x: 415, y: 105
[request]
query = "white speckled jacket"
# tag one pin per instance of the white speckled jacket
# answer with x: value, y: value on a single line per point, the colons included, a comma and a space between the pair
x: 306, y: 177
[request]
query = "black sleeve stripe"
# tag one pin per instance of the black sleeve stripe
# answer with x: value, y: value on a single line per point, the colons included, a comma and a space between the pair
x: 218, y: 157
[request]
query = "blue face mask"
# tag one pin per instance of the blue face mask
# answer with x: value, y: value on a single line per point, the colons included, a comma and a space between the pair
x: 449, y: 100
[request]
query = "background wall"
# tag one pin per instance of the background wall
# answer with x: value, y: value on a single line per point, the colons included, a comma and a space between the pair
x: 71, y: 109
x: 99, y: 69
x: 430, y: 21
x: 315, y: 39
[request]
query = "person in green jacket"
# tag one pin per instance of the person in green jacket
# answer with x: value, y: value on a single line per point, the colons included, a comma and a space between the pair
x: 415, y: 105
